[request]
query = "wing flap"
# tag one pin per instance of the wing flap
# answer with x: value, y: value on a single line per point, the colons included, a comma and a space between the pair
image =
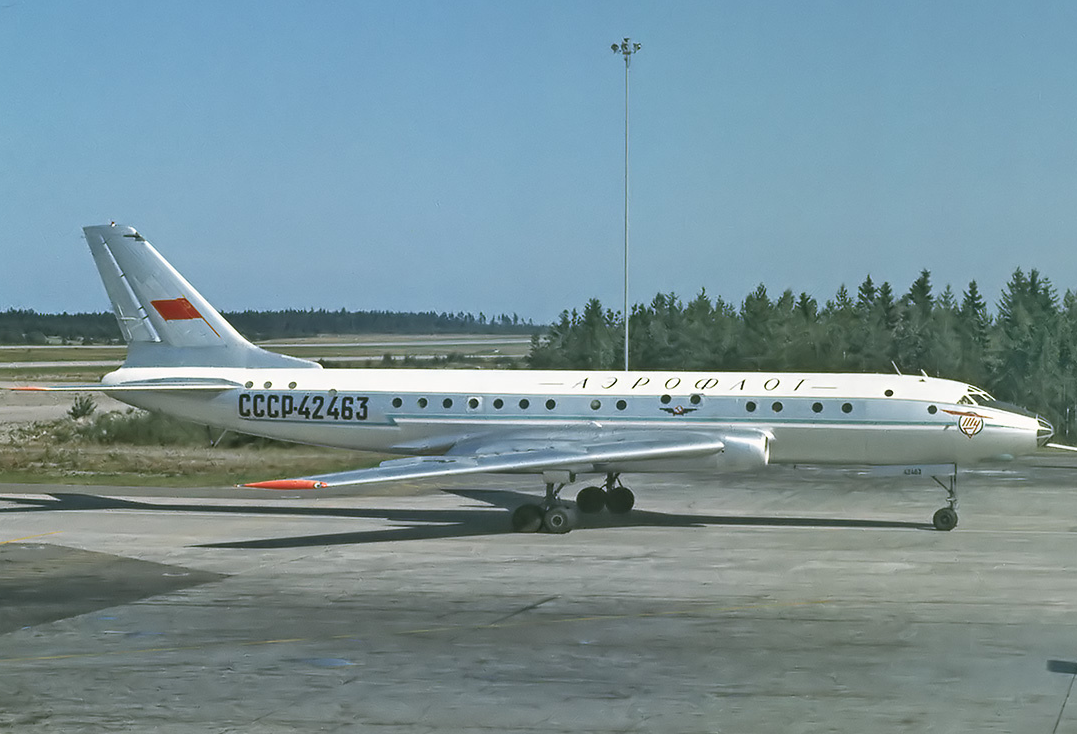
x: 579, y: 458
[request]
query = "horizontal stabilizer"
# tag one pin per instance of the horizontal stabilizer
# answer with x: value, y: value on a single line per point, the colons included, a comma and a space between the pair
x: 139, y: 386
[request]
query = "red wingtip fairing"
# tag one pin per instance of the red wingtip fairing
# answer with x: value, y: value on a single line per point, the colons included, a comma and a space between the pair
x: 288, y: 484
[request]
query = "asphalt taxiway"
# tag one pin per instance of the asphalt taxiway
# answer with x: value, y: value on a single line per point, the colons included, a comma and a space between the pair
x: 790, y: 601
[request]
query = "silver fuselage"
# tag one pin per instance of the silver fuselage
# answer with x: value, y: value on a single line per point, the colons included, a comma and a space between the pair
x: 809, y: 418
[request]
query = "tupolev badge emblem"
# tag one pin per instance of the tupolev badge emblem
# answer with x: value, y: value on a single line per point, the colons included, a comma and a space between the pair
x: 970, y: 424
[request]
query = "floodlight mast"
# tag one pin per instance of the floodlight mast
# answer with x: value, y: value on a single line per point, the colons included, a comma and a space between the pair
x: 627, y: 47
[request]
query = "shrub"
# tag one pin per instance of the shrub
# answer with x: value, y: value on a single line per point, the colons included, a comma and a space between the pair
x: 83, y: 407
x: 146, y: 428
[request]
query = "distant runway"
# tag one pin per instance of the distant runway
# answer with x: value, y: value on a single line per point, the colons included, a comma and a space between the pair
x: 796, y: 601
x: 423, y: 342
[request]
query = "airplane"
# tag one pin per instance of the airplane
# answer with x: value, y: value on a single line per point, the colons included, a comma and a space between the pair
x: 185, y: 359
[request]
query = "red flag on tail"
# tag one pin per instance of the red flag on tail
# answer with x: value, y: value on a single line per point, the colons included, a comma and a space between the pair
x: 177, y: 309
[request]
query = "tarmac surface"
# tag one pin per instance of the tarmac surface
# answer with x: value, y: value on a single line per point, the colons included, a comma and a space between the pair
x: 789, y: 601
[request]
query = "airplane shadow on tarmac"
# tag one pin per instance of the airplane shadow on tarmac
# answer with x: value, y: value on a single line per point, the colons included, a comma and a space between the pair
x: 420, y: 524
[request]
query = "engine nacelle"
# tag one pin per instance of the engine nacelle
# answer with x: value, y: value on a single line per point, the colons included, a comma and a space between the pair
x: 744, y: 451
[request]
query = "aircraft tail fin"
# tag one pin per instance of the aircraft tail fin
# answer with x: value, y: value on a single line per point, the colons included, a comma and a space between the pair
x: 163, y: 319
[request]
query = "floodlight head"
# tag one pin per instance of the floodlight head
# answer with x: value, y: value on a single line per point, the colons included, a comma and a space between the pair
x: 615, y: 48
x: 637, y: 46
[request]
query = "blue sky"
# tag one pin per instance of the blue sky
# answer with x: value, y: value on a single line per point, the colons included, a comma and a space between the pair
x: 469, y: 155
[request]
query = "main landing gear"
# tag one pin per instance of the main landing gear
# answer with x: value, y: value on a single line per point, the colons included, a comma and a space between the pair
x: 555, y: 516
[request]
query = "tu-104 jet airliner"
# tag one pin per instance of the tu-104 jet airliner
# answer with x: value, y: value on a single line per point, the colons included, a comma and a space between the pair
x: 186, y: 360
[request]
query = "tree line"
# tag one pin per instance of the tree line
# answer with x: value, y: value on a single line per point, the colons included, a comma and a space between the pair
x: 20, y: 326
x: 1024, y: 352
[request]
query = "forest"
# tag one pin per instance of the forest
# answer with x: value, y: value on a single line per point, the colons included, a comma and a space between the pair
x: 1024, y: 351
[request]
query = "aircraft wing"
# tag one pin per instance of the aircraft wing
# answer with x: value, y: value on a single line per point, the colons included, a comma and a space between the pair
x: 575, y: 456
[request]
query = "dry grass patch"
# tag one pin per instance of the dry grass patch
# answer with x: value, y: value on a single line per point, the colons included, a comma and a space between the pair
x: 136, y: 447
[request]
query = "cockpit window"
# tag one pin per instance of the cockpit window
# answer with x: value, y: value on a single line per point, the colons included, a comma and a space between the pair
x: 975, y: 396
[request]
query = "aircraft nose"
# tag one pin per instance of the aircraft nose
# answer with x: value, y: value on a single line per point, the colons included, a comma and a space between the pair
x: 1044, y: 432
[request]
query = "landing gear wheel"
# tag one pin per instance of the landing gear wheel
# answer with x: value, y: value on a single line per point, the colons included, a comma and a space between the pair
x: 527, y: 519
x: 945, y: 519
x: 620, y: 500
x: 559, y: 520
x: 591, y: 500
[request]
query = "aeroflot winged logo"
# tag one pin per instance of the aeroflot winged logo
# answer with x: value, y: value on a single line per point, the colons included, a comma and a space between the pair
x: 678, y: 410
x: 179, y: 309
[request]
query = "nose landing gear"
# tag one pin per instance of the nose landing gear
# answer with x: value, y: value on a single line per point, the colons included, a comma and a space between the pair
x: 944, y: 475
x: 946, y: 518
